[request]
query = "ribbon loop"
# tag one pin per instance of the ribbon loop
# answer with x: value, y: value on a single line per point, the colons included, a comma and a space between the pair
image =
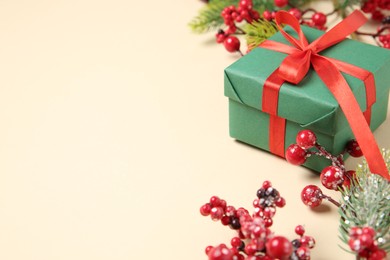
x: 295, y: 66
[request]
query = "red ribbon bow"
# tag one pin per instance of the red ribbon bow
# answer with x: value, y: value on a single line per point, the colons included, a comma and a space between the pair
x: 296, y: 65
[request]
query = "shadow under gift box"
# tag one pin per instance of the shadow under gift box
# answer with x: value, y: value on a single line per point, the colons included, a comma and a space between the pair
x: 308, y: 105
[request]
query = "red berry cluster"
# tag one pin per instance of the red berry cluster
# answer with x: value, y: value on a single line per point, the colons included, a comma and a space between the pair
x: 332, y: 177
x: 317, y: 19
x: 383, y: 34
x: 376, y: 8
x: 362, y: 241
x: 255, y: 240
x: 244, y: 11
x: 231, y: 15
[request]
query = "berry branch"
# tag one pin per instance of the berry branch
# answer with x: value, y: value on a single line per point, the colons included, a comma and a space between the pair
x: 254, y: 239
x: 364, y: 208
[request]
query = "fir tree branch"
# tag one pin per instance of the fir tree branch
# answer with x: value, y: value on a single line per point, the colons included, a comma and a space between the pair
x: 209, y: 16
x: 367, y: 203
x: 259, y: 31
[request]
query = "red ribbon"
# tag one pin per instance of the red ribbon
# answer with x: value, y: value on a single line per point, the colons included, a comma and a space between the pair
x: 296, y: 65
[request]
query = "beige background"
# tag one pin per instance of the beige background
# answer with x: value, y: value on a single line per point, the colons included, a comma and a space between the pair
x: 114, y: 130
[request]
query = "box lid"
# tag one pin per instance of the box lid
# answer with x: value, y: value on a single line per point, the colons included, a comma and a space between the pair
x: 309, y: 103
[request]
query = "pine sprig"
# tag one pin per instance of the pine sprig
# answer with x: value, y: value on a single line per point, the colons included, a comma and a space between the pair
x: 367, y: 203
x: 259, y: 31
x: 209, y: 16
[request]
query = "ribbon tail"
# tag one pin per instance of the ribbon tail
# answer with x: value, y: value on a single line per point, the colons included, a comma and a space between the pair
x: 337, y: 85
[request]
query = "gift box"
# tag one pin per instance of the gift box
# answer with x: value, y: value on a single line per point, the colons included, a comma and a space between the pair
x: 307, y: 105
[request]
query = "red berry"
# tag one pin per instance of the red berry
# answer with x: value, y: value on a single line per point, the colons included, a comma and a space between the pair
x: 311, y: 196
x: 307, y: 241
x: 306, y: 139
x: 354, y: 232
x: 220, y: 252
x: 266, y: 184
x: 299, y: 230
x: 319, y: 19
x: 207, y: 249
x: 225, y: 220
x: 377, y: 15
x: 246, y: 4
x: 267, y: 15
x: 205, y: 209
x: 232, y: 44
x: 215, y: 201
x: 230, y: 211
x: 268, y: 222
x: 216, y: 213
x: 280, y: 202
x: 250, y: 249
x: 269, y: 212
x: 353, y: 149
x: 378, y: 255
x: 332, y: 177
x: 296, y: 12
x: 235, y: 242
x: 369, y: 231
x: 279, y: 247
x: 295, y: 154
x: 366, y: 240
x: 355, y: 245
x: 303, y: 253
x: 281, y: 3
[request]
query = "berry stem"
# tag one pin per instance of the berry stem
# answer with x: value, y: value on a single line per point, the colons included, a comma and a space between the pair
x: 337, y: 204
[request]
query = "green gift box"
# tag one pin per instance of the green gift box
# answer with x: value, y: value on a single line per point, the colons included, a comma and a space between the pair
x: 308, y: 105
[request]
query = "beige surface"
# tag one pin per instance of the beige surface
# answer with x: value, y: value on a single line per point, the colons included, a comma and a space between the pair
x: 114, y: 132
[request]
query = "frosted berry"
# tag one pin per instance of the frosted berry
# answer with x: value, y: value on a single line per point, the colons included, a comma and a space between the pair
x: 311, y: 196
x: 369, y: 231
x: 303, y: 253
x: 353, y: 149
x: 232, y: 44
x: 306, y: 139
x: 216, y: 213
x: 307, y: 241
x: 281, y: 3
x: 332, y: 177
x: 295, y: 154
x: 220, y: 252
x: 319, y: 19
x: 279, y: 247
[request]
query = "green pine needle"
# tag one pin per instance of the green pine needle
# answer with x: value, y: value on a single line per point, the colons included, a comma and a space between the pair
x: 209, y: 16
x: 259, y: 31
x: 367, y: 203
